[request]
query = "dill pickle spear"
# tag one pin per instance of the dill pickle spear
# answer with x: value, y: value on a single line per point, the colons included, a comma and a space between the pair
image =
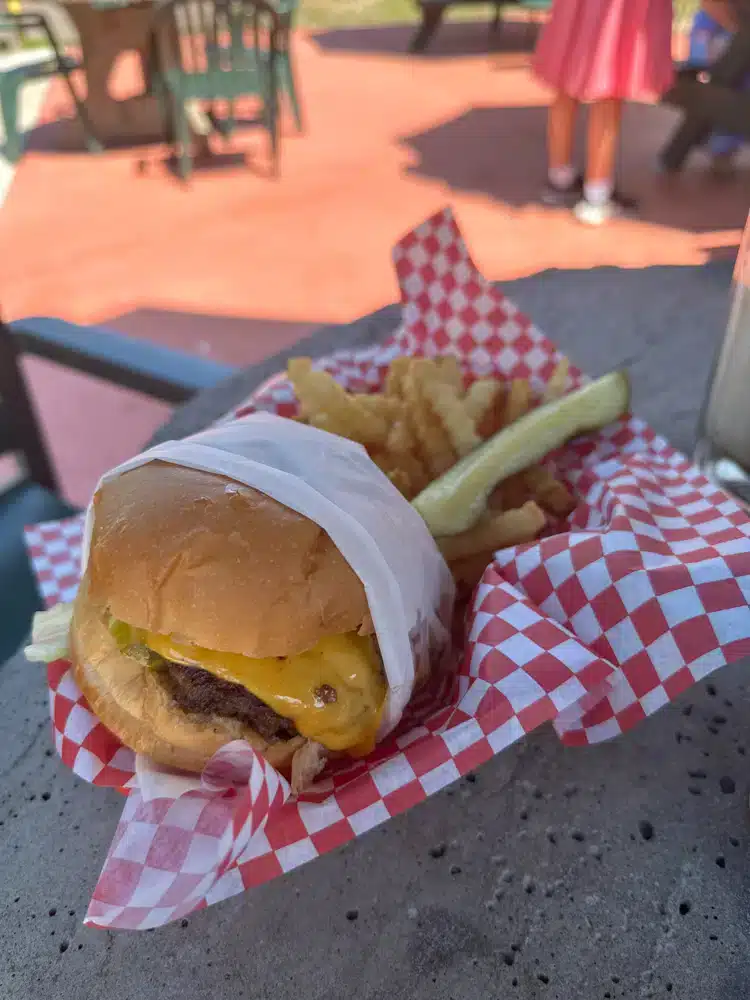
x: 455, y: 502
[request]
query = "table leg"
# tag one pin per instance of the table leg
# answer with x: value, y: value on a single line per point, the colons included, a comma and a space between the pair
x: 105, y: 35
x: 497, y: 19
x: 432, y: 15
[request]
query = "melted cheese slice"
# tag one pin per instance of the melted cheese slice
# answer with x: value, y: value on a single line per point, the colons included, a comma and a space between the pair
x: 291, y: 686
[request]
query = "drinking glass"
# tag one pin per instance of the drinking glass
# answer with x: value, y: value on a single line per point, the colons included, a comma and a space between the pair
x: 723, y: 448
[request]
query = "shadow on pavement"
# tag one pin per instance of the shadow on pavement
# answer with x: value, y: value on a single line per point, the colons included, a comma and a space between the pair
x: 454, y: 38
x: 237, y: 340
x: 498, y: 152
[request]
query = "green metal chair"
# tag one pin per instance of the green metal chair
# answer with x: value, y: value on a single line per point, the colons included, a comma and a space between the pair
x: 51, y: 61
x: 287, y: 80
x: 535, y: 6
x: 214, y: 52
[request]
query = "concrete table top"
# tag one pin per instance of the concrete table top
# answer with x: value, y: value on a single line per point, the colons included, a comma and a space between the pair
x: 552, y: 874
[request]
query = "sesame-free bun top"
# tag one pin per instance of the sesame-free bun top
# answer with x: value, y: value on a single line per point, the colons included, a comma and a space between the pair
x: 216, y: 563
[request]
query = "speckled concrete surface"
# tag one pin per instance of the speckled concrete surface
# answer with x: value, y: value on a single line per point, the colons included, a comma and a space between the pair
x: 618, y: 871
x: 552, y: 874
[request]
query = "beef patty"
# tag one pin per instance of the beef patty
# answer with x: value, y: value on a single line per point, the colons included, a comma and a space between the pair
x: 196, y: 690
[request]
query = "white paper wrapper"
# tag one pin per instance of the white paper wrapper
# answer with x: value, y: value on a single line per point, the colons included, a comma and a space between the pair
x: 334, y: 483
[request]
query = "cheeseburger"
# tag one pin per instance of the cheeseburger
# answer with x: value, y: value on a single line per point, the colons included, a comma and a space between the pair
x: 209, y: 612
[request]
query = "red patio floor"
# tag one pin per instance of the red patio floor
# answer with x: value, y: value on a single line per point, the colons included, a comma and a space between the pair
x: 237, y: 266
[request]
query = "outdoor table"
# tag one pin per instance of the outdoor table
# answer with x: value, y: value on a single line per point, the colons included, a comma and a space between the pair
x: 617, y: 870
x: 108, y: 29
x: 432, y: 12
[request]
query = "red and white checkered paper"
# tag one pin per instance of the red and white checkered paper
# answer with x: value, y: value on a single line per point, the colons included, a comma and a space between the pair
x: 643, y: 592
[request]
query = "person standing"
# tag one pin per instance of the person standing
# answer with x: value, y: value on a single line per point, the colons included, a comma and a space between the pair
x: 598, y: 53
x: 714, y: 25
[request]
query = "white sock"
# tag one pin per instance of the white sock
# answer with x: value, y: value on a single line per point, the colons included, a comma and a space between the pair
x: 598, y: 192
x: 562, y: 177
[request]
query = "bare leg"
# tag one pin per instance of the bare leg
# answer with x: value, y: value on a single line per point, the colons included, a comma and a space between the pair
x: 561, y: 122
x: 600, y: 203
x: 563, y: 180
x: 603, y: 137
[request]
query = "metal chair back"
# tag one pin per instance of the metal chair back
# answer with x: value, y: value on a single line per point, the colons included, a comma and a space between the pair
x: 215, y: 51
x: 217, y: 48
x: 20, y: 431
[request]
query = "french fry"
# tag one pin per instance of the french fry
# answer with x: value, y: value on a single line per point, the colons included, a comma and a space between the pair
x: 455, y: 419
x: 435, y: 449
x: 495, y: 499
x: 446, y: 403
x: 397, y: 476
x: 298, y: 368
x: 388, y: 408
x: 450, y: 373
x: 492, y: 421
x: 401, y: 480
x: 401, y: 448
x: 480, y: 398
x: 494, y: 531
x: 395, y: 377
x: 517, y: 402
x: 469, y: 571
x: 424, y: 370
x: 514, y: 492
x: 400, y: 440
x: 551, y: 495
x: 558, y: 382
x: 320, y: 394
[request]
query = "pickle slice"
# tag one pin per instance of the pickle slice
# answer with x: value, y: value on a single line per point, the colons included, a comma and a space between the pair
x: 455, y: 502
x: 120, y: 632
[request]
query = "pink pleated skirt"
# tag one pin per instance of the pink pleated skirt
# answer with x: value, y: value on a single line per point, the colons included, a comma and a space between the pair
x: 598, y: 49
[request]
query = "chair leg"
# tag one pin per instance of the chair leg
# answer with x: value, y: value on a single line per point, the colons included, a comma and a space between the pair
x: 9, y: 111
x: 288, y: 84
x: 93, y: 145
x: 181, y: 138
x: 271, y: 113
x: 432, y: 15
x: 161, y: 94
x: 231, y: 119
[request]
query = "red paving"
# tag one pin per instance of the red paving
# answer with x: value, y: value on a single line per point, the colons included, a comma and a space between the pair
x: 238, y: 266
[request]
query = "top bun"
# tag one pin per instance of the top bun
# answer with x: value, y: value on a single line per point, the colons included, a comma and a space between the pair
x: 216, y: 563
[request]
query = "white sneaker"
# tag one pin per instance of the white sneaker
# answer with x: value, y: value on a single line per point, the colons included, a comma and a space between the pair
x: 598, y: 213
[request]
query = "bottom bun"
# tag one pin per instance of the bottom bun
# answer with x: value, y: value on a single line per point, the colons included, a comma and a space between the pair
x: 131, y: 701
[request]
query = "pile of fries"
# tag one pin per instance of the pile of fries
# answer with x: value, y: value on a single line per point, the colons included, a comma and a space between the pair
x: 424, y: 421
